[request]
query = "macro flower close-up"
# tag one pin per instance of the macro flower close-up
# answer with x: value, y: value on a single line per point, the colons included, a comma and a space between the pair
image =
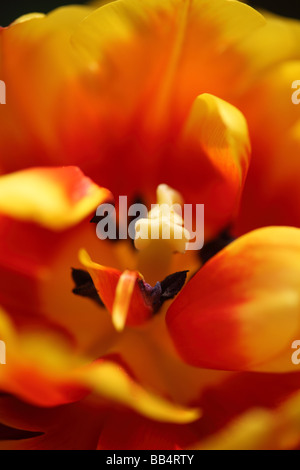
x: 149, y: 227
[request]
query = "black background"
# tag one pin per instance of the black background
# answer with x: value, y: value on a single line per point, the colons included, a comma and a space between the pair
x: 10, y: 9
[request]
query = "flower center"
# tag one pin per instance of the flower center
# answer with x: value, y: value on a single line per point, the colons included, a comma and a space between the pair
x: 161, y: 234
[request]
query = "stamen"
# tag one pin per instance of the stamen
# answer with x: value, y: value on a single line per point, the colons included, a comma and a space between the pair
x: 85, y: 286
x: 161, y: 234
x: 165, y: 290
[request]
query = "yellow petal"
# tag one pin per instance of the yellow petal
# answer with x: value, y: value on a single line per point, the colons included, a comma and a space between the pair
x: 56, y: 198
x: 276, y: 42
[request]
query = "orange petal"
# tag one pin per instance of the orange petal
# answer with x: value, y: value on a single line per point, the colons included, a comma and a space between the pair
x: 43, y: 98
x: 155, y: 50
x: 241, y: 311
x: 134, y: 70
x: 43, y: 370
x: 159, y: 51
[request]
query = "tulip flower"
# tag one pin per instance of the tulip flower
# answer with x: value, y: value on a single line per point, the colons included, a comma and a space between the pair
x: 138, y: 344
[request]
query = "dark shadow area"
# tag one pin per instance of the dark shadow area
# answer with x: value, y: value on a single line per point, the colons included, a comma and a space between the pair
x: 12, y: 434
x: 290, y: 8
x: 10, y: 10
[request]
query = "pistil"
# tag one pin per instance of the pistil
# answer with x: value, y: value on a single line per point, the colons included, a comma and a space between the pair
x: 161, y: 235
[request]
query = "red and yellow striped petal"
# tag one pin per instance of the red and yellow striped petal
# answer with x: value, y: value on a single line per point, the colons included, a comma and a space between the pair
x: 241, y: 311
x: 44, y: 220
x: 55, y: 198
x: 154, y: 50
x: 117, y: 93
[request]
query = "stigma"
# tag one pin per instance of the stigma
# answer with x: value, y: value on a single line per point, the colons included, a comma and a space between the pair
x: 164, y: 226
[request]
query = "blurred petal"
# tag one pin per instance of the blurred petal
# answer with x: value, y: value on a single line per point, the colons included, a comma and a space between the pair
x: 68, y: 427
x: 241, y: 311
x: 42, y: 370
x: 44, y: 221
x: 249, y: 432
x: 158, y: 106
x: 36, y: 366
x: 126, y: 66
x: 260, y: 430
x: 271, y: 194
x: 129, y: 431
x: 111, y: 382
x: 224, y: 402
x: 271, y: 45
x: 174, y: 34
x: 37, y: 101
x: 56, y: 198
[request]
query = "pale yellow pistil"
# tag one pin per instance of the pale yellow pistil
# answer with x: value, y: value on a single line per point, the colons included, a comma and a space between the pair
x: 161, y: 235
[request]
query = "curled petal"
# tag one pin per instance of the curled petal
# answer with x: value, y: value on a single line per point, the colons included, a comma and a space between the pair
x: 241, y: 311
x: 120, y: 292
x: 216, y: 134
